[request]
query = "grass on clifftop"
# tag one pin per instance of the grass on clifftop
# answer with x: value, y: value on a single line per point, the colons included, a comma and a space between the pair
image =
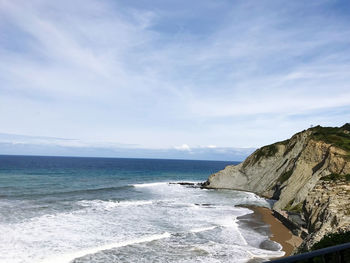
x: 339, y: 137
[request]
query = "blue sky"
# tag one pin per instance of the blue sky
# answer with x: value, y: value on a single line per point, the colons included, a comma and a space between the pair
x: 171, y: 75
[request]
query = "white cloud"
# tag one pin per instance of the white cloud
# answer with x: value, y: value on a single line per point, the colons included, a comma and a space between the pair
x: 211, y: 146
x: 183, y: 147
x: 61, y: 142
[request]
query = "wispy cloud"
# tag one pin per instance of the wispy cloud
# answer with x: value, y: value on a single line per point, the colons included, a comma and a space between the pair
x: 230, y: 73
x: 17, y: 139
x: 39, y: 145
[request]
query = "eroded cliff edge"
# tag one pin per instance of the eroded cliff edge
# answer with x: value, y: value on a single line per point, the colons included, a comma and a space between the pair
x: 308, y: 174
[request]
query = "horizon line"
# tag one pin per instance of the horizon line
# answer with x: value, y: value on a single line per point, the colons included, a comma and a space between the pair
x: 102, y: 157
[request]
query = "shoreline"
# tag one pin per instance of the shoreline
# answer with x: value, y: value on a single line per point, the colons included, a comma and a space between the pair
x: 279, y: 233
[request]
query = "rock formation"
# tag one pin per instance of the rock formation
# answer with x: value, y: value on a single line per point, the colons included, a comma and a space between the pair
x: 308, y: 174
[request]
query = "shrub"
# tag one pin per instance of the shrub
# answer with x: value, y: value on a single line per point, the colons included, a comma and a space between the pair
x: 285, y: 176
x: 336, y: 177
x: 332, y: 240
x: 296, y: 208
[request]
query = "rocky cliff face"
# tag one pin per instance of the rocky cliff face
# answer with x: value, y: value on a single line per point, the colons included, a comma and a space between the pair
x: 327, y: 209
x: 291, y: 172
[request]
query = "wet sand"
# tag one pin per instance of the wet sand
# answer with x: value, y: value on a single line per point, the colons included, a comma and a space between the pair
x: 280, y: 233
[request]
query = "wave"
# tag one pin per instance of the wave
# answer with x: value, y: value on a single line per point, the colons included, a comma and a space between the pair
x: 255, y: 199
x: 111, y: 204
x: 150, y: 184
x: 202, y: 229
x: 138, y: 202
x: 78, y: 254
x: 263, y: 253
x: 232, y: 222
x: 165, y: 183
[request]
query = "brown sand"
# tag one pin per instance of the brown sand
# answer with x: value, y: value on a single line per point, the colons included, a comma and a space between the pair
x: 280, y: 233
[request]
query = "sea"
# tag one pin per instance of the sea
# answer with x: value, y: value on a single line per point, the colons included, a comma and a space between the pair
x: 72, y: 209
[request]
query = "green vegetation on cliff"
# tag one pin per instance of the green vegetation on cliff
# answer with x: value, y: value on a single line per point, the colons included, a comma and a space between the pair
x: 329, y: 240
x: 308, y: 175
x: 332, y: 240
x: 285, y: 176
x: 296, y: 208
x: 336, y: 177
x: 266, y: 151
x: 339, y: 137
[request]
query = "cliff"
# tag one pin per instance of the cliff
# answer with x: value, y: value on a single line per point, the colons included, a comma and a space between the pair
x: 308, y: 175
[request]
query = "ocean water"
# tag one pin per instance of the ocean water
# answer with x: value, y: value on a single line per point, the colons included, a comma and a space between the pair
x: 63, y: 209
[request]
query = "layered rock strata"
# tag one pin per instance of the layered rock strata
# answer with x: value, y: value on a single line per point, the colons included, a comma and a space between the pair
x: 293, y: 172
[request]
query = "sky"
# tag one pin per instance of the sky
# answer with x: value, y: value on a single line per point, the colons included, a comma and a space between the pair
x: 169, y: 78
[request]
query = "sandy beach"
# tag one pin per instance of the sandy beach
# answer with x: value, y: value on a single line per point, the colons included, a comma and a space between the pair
x: 279, y: 233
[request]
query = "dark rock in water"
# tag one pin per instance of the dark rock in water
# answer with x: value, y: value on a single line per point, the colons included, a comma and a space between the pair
x: 205, y: 184
x: 189, y: 184
x: 204, y: 204
x: 184, y: 183
x: 270, y: 245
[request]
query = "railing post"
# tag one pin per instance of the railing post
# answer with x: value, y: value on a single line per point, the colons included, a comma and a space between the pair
x: 338, y: 257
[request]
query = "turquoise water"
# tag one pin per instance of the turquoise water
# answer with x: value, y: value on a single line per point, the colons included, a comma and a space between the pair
x: 62, y: 209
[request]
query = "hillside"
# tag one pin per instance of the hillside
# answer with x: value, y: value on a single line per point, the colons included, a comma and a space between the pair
x: 308, y: 175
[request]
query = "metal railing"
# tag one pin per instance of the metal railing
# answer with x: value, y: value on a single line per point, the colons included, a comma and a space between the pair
x: 335, y: 254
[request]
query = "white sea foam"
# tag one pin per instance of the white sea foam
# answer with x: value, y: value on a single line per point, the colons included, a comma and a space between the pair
x: 112, y: 204
x: 135, y: 203
x: 91, y: 226
x: 150, y: 184
x: 202, y: 229
x: 172, y: 183
x: 251, y: 197
x: 68, y: 257
x: 244, y: 241
x: 263, y: 253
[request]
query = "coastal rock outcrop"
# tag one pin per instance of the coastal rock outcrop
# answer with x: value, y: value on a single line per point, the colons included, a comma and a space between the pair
x: 327, y: 209
x: 293, y: 172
